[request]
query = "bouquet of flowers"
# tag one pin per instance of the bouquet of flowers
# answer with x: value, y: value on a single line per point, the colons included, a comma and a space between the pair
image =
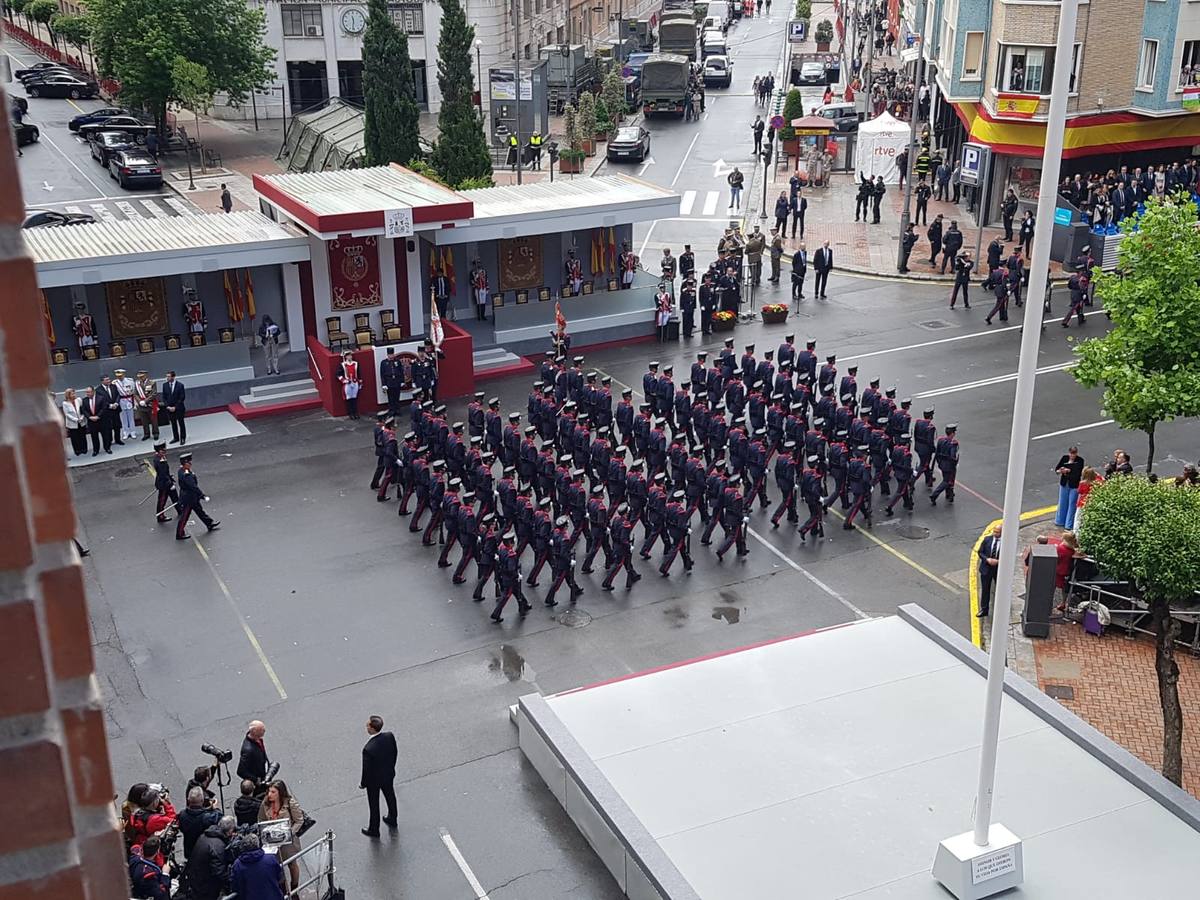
x: 723, y: 316
x: 775, y: 308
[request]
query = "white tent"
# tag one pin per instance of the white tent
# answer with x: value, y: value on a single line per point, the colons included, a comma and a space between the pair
x: 880, y: 141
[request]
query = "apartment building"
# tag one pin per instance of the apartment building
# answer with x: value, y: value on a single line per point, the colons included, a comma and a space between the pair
x: 1134, y: 65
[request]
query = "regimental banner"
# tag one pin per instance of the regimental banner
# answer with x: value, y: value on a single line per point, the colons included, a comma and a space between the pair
x: 521, y: 263
x: 354, y: 273
x: 1016, y: 106
x: 137, y: 307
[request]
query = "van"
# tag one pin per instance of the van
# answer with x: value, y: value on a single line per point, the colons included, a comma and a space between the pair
x: 713, y: 43
x: 717, y: 16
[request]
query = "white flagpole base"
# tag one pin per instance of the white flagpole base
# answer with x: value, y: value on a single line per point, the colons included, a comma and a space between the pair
x: 971, y: 872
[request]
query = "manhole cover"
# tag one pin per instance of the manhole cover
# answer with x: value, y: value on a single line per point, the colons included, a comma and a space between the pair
x: 130, y: 472
x: 1060, y: 691
x: 934, y: 324
x: 574, y: 618
x: 913, y: 532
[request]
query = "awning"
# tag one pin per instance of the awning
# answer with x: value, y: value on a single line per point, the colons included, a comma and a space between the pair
x: 1118, y: 132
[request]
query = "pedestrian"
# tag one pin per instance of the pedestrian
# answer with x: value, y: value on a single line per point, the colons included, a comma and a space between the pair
x: 989, y: 568
x: 823, y: 264
x: 152, y: 144
x: 1026, y: 233
x: 226, y: 199
x: 799, y: 270
x: 908, y: 240
x: 956, y: 181
x: 1070, y: 471
x: 379, y: 775
x: 1008, y: 211
x: 190, y: 500
x: 757, y: 130
x: 735, y: 181
x: 782, y: 210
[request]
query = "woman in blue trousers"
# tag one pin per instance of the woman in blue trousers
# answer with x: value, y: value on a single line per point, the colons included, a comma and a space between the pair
x: 1069, y: 468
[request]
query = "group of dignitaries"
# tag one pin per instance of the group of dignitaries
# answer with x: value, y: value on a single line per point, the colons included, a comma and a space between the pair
x: 584, y: 466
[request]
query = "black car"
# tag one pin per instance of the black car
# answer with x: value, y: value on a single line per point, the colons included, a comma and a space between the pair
x: 135, y: 168
x: 32, y: 75
x: 63, y: 86
x: 37, y: 67
x: 106, y: 143
x: 96, y: 115
x: 27, y: 134
x: 130, y: 124
x: 49, y: 218
x: 630, y: 142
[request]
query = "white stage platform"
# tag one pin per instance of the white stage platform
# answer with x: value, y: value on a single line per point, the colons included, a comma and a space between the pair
x: 203, y: 429
x: 830, y: 765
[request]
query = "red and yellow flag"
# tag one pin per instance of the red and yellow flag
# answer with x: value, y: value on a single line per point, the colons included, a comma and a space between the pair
x: 1016, y: 106
x: 49, y: 322
x: 250, y: 309
x: 560, y: 321
x: 612, y: 250
x: 433, y: 264
x: 448, y: 268
x: 231, y: 298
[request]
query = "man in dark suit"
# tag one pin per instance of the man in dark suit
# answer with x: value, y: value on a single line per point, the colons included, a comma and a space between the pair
x: 253, y: 761
x: 379, y: 774
x: 112, y: 410
x: 822, y: 262
x: 95, y: 411
x: 173, y: 397
x: 989, y: 567
x: 799, y: 270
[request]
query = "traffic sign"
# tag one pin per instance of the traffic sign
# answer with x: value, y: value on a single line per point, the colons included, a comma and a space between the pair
x: 974, y: 163
x: 777, y: 122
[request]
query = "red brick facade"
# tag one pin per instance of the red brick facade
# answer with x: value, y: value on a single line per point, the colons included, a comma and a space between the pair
x: 61, y: 840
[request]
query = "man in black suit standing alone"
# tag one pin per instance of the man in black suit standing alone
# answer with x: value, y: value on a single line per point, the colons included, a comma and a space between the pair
x: 173, y: 395
x: 378, y: 774
x: 822, y: 262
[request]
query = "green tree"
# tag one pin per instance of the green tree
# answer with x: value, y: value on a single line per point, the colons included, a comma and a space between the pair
x: 461, y: 152
x: 391, y: 132
x: 586, y: 118
x: 138, y: 41
x: 793, y: 108
x: 193, y: 87
x: 75, y: 30
x: 42, y: 11
x: 613, y: 93
x: 1149, y: 362
x: 1149, y: 535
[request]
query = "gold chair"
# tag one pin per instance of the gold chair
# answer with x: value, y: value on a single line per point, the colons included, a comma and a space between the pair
x: 364, y: 337
x: 386, y: 317
x: 393, y: 332
x: 337, y: 337
x: 362, y: 320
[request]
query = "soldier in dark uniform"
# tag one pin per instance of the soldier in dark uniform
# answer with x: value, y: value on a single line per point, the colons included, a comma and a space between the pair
x: 677, y: 455
x: 485, y: 484
x: 666, y: 394
x: 678, y: 533
x: 727, y: 360
x: 786, y: 355
x: 642, y: 426
x: 812, y: 493
x: 946, y: 454
x: 621, y: 534
x: 756, y: 409
x: 437, y: 492
x: 456, y: 451
x: 523, y: 519
x: 467, y: 529
x: 681, y: 425
x: 757, y: 459
x: 488, y: 544
x: 714, y: 492
x: 451, y: 504
x: 785, y: 480
x: 377, y: 437
x: 739, y: 446
x: 902, y: 468
x: 562, y: 562
x: 1000, y: 290
x: 415, y: 475
x: 718, y: 433
x: 764, y: 374
x: 547, y: 368
x: 603, y: 415
x: 164, y: 482
x: 581, y: 442
x: 827, y: 376
x: 880, y: 450
x: 542, y: 529
x: 598, y: 457
x: 733, y: 519
x: 687, y: 305
x: 493, y: 427
x: 508, y: 573
x: 576, y: 502
x: 806, y: 360
x: 191, y: 499
x: 527, y: 456
x: 870, y: 400
x: 597, y: 530
x: 815, y: 444
x: 735, y: 396
x: 693, y: 484
x: 617, y: 478
x: 848, y: 389
x: 708, y: 302
x: 858, y: 480
x: 783, y: 386
x: 748, y: 366
x: 900, y: 421
x: 575, y: 379
x: 636, y: 491
x: 826, y: 410
x: 654, y: 517
x: 924, y: 441
x: 389, y: 458
x: 475, y: 416
x: 837, y: 459
x: 510, y: 443
x: 699, y: 376
x: 962, y: 279
x: 624, y: 417
x: 391, y: 376
x: 650, y: 385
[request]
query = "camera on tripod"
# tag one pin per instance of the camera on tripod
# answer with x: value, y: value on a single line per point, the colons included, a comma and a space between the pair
x: 222, y: 756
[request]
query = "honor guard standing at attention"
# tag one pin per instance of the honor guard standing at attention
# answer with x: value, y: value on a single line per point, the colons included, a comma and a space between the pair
x: 163, y: 483
x: 946, y: 454
x: 391, y: 376
x: 125, y: 402
x: 924, y: 442
x: 191, y: 500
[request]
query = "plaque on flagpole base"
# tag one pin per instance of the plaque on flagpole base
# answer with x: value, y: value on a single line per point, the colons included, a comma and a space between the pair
x: 971, y: 872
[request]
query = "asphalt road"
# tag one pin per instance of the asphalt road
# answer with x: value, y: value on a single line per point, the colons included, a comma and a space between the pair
x: 314, y: 607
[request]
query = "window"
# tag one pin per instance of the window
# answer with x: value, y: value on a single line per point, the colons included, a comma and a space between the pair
x: 972, y: 56
x: 1076, y: 59
x: 1025, y: 70
x: 1189, y: 65
x: 302, y: 21
x: 408, y: 18
x: 1147, y: 64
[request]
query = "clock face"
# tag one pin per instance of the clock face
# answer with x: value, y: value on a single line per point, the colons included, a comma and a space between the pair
x: 353, y: 20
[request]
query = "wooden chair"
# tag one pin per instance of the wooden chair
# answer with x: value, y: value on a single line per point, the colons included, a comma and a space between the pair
x: 362, y: 320
x: 386, y: 317
x: 337, y: 337
x: 364, y: 337
x: 393, y: 333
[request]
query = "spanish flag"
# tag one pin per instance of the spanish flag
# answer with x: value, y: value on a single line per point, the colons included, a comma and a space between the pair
x: 612, y: 250
x: 448, y: 268
x: 46, y: 318
x: 1016, y: 106
x: 433, y: 265
x: 250, y: 310
x: 231, y: 299
x: 560, y: 321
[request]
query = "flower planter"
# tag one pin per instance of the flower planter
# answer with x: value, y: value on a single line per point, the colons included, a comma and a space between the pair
x: 721, y: 325
x: 773, y: 318
x: 601, y: 137
x: 570, y: 166
x: 588, y: 147
x: 823, y: 46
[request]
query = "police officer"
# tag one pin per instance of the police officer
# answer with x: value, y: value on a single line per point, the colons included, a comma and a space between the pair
x: 678, y: 533
x: 946, y: 454
x: 908, y: 240
x: 164, y: 483
x: 963, y: 266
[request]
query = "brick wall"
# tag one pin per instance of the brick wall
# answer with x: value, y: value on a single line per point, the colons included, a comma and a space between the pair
x: 60, y: 840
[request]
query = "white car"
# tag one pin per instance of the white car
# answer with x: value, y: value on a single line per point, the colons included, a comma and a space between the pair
x: 813, y: 73
x: 718, y: 70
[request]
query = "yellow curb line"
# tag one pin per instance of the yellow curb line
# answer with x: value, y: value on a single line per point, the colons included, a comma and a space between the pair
x: 900, y: 556
x: 973, y: 571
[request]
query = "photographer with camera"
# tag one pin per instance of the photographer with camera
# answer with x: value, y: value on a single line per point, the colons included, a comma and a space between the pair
x: 253, y: 761
x: 200, y: 814
x: 149, y: 873
x: 208, y: 866
x: 153, y: 815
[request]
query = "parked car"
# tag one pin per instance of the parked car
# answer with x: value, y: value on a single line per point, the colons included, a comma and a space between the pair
x: 843, y: 115
x: 107, y: 143
x: 135, y: 168
x: 37, y: 67
x: 131, y: 124
x: 63, y: 86
x: 96, y: 115
x: 813, y: 73
x: 50, y: 218
x: 27, y: 134
x: 718, y: 70
x: 630, y: 142
x: 42, y: 74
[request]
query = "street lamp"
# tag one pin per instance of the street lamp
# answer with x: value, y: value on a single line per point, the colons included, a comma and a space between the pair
x: 479, y: 74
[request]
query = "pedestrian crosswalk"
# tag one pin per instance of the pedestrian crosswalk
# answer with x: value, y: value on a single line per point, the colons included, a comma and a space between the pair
x: 133, y: 208
x: 704, y: 204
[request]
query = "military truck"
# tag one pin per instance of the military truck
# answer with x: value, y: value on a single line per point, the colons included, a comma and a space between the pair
x: 665, y: 83
x: 677, y: 32
x: 569, y: 72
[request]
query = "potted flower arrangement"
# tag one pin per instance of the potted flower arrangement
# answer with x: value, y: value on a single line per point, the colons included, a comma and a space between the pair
x: 723, y: 320
x: 587, y: 123
x: 773, y: 313
x: 824, y: 35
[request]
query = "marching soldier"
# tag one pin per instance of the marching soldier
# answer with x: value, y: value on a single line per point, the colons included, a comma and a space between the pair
x: 666, y: 394
x: 190, y: 499
x: 806, y: 360
x: 508, y: 573
x: 621, y: 535
x: 946, y: 454
x: 599, y: 456
x: 880, y: 447
x: 485, y: 484
x: 597, y: 533
x: 858, y: 479
x: 416, y: 479
x: 826, y: 410
x: 837, y: 461
x: 624, y: 417
x: 902, y: 468
x: 617, y: 478
x: 813, y: 495
x: 451, y: 504
x: 714, y: 493
x: 924, y: 440
x: 757, y: 459
x: 488, y: 544
x: 636, y: 492
x: 602, y: 417
x: 437, y: 493
x: 733, y: 519
x: 164, y: 483
x: 467, y: 528
x: 749, y: 365
x: 900, y: 421
x: 378, y: 438
x: 389, y: 458
x: 642, y: 426
x: 475, y: 416
x: 542, y: 531
x: 783, y: 386
x: 650, y: 385
x: 699, y: 378
x: 655, y: 516
x: 493, y: 427
x: 693, y: 480
x: 764, y: 375
x: 656, y: 449
x: 848, y: 389
x: 510, y: 441
x: 787, y: 352
x: 562, y: 562
x: 681, y: 426
x: 678, y: 533
x: 827, y: 376
x: 870, y: 400
x: 785, y: 480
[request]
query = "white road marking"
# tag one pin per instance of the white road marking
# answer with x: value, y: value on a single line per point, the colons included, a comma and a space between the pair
x: 86, y: 177
x: 128, y: 208
x: 683, y: 161
x: 456, y: 854
x: 73, y: 209
x: 686, y: 204
x: 154, y: 209
x: 103, y: 213
x: 649, y: 231
x: 647, y: 164
x: 710, y: 203
x: 1051, y: 434
x: 858, y: 613
x: 179, y: 206
x: 989, y: 382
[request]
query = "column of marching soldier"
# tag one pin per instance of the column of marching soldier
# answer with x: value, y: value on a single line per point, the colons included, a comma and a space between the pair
x: 582, y: 468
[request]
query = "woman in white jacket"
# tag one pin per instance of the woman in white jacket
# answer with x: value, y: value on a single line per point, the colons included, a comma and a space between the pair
x: 72, y: 411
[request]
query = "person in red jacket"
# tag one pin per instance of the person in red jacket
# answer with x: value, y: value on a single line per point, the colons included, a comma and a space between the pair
x: 153, y: 815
